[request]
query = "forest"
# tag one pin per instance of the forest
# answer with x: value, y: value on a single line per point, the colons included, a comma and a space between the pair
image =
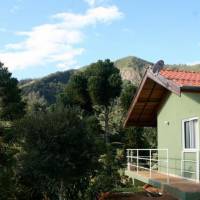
x: 73, y: 146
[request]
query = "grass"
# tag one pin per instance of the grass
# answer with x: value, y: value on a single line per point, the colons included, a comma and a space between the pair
x: 132, y: 189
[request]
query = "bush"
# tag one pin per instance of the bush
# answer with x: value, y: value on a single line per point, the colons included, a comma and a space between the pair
x: 60, y: 153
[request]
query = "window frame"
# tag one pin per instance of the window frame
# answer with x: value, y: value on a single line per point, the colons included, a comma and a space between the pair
x: 196, y: 138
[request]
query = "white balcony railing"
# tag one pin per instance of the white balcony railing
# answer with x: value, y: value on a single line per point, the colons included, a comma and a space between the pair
x: 150, y: 160
x: 190, y: 166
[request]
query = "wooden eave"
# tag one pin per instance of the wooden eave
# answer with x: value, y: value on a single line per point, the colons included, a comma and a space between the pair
x: 149, y: 97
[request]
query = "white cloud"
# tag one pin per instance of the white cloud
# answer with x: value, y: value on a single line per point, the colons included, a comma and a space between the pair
x: 57, y: 42
x: 93, y: 3
x: 194, y: 63
x: 90, y: 2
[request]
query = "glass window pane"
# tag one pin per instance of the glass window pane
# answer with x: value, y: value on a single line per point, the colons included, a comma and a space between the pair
x: 187, y: 135
x: 190, y: 131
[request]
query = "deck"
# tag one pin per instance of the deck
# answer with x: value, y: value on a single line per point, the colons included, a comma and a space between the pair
x: 180, y: 188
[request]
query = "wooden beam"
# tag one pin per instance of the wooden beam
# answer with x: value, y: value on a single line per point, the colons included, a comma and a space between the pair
x: 135, y: 98
x: 152, y: 100
x: 168, y: 84
x: 157, y: 79
x: 147, y: 101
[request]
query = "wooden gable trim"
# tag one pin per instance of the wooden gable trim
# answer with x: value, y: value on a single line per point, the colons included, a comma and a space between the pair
x: 147, y: 102
x: 135, y: 98
x: 169, y: 85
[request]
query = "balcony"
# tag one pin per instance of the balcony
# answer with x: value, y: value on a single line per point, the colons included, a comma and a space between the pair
x: 152, y: 166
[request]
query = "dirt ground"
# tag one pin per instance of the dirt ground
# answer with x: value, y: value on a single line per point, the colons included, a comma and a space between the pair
x: 136, y: 196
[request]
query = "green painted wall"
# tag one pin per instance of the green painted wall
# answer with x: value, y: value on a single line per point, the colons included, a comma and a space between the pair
x: 174, y: 110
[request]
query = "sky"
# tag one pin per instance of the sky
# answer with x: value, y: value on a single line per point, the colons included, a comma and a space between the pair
x: 38, y: 37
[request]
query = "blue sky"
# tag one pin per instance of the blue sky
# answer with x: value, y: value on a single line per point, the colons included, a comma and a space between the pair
x: 40, y: 37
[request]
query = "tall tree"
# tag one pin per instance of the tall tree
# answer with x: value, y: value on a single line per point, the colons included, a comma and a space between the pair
x: 11, y: 108
x: 35, y: 102
x: 60, y: 156
x: 127, y: 94
x: 76, y: 92
x: 104, y: 85
x: 11, y: 104
x: 95, y: 89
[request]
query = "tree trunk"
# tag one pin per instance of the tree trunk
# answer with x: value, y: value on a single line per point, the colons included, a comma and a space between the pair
x: 61, y: 191
x: 106, y: 125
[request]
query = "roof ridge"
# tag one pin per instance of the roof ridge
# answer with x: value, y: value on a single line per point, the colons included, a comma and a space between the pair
x: 180, y: 70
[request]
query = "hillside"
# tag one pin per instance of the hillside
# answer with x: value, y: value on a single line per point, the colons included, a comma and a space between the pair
x: 131, y: 68
x: 48, y: 86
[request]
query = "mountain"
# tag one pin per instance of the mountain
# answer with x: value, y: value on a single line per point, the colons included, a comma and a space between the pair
x: 131, y: 68
x: 48, y: 86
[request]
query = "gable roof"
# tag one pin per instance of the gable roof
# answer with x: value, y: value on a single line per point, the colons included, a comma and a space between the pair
x: 153, y: 90
x: 181, y: 77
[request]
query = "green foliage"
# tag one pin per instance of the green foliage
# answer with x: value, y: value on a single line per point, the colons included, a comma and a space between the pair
x: 8, y: 161
x: 130, y: 189
x: 11, y: 105
x: 127, y: 95
x: 151, y: 136
x: 11, y: 109
x: 61, y: 153
x: 95, y: 88
x: 99, y: 84
x: 135, y: 138
x: 76, y: 92
x: 107, y: 176
x: 35, y: 102
x: 47, y: 87
x: 104, y: 82
x: 131, y: 68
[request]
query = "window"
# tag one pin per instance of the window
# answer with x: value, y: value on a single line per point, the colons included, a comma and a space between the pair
x: 190, y: 131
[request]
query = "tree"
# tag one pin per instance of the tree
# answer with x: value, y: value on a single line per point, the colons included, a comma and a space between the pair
x: 35, y: 102
x: 11, y: 104
x: 95, y: 90
x: 60, y: 153
x: 76, y: 92
x: 104, y: 85
x: 104, y: 82
x: 11, y: 109
x: 127, y: 95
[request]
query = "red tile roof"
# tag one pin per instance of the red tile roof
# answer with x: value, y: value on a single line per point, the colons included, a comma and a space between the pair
x: 182, y: 77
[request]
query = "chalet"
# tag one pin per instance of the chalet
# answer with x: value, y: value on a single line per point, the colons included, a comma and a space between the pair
x: 170, y: 101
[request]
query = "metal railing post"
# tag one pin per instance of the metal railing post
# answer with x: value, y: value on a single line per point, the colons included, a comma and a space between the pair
x: 182, y: 163
x: 197, y: 166
x: 128, y: 165
x: 167, y: 166
x: 131, y: 156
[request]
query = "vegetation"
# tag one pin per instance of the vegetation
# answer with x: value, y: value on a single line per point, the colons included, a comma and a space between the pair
x: 68, y: 141
x: 60, y: 155
x: 11, y: 108
x: 48, y: 87
x: 131, y: 68
x: 95, y: 89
